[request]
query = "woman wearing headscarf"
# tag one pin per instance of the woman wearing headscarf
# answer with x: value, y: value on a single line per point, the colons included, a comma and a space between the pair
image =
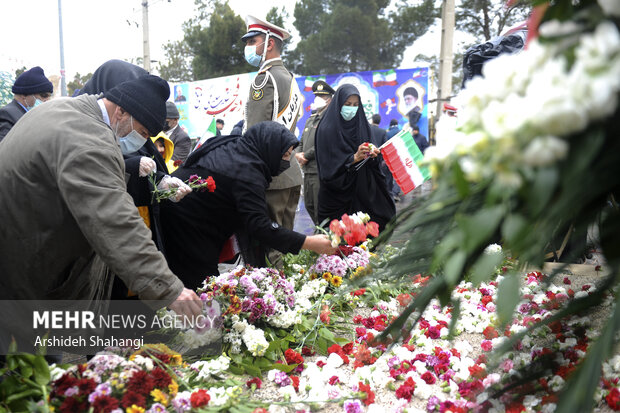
x: 196, y: 229
x: 349, y: 170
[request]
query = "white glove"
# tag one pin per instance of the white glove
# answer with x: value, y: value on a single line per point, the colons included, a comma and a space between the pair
x: 147, y: 166
x: 169, y: 182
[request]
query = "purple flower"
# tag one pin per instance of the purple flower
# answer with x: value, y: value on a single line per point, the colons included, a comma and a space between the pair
x: 432, y: 361
x: 282, y: 379
x: 433, y: 403
x: 353, y: 406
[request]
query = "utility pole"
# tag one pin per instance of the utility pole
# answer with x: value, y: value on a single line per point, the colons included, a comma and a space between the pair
x: 63, y: 82
x: 145, y: 36
x: 445, y: 58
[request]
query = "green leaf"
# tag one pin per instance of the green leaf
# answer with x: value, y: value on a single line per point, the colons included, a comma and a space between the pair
x: 542, y: 189
x: 237, y: 358
x: 454, y: 268
x: 460, y: 182
x: 251, y: 370
x: 321, y: 344
x: 236, y: 370
x: 283, y: 367
x: 508, y: 296
x: 328, y: 335
x: 26, y: 393
x: 41, y: 371
x: 456, y: 312
x: 479, y: 227
x: 485, y: 267
x: 513, y: 229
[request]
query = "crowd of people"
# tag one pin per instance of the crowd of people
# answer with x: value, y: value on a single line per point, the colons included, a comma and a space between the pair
x: 79, y: 174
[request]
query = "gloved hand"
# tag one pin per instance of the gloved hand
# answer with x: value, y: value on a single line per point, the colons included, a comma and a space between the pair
x: 147, y: 166
x: 169, y: 182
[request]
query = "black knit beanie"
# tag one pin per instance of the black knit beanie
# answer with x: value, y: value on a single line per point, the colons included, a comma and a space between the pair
x: 145, y: 99
x: 32, y: 81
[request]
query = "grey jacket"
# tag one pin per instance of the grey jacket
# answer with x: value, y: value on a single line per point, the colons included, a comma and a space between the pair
x: 64, y: 203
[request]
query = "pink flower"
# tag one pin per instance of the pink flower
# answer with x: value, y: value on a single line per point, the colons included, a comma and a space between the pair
x: 486, y: 345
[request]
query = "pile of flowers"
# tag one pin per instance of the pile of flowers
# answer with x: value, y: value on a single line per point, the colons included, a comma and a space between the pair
x: 352, y: 229
x: 351, y: 261
x: 147, y: 381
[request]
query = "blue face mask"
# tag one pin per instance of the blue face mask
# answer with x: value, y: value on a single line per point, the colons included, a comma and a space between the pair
x: 37, y: 102
x: 250, y: 55
x: 348, y: 112
x: 131, y: 142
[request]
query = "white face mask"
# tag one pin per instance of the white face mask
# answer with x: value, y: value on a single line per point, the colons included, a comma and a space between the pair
x: 320, y: 103
x: 131, y: 142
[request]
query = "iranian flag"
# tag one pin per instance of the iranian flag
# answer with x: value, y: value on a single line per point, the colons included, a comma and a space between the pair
x: 209, y: 133
x: 403, y: 157
x: 384, y: 78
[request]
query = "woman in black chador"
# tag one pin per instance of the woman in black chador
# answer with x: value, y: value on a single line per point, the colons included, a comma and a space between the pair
x: 349, y: 170
x: 196, y: 228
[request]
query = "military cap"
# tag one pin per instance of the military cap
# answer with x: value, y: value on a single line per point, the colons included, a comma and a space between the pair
x: 320, y: 87
x: 257, y: 26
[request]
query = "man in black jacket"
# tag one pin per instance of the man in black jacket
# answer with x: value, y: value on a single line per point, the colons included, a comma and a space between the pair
x: 30, y: 89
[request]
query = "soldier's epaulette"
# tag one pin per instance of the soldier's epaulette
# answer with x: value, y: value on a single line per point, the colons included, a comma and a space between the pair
x: 264, y: 69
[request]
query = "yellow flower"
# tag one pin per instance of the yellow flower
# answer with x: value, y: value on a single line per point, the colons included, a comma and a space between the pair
x: 173, y: 388
x: 364, y: 247
x: 327, y: 276
x: 302, y: 271
x: 313, y: 276
x: 134, y: 409
x: 336, y: 281
x: 160, y: 397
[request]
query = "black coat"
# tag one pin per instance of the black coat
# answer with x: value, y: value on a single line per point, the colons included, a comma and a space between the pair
x: 9, y: 115
x: 196, y: 228
x: 347, y: 188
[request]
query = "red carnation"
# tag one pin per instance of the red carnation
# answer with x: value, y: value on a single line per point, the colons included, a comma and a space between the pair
x: 359, y: 292
x: 320, y: 363
x: 295, y: 381
x: 210, y: 184
x: 486, y: 300
x: 370, y: 395
x: 490, y: 332
x: 334, y: 380
x: 406, y: 390
x: 256, y: 381
x: 104, y: 404
x: 428, y: 378
x: 131, y: 397
x: 613, y: 399
x: 404, y: 299
x: 86, y: 386
x: 65, y: 381
x: 348, y: 349
x: 293, y: 357
x: 199, y: 398
x: 307, y: 351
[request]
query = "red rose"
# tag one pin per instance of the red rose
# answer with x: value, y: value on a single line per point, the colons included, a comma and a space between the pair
x: 199, y: 398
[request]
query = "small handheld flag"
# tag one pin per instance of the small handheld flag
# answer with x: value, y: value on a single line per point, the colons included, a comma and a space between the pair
x: 403, y: 157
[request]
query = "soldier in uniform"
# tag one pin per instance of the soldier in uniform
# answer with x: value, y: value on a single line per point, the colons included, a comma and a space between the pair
x: 274, y: 96
x: 305, y: 155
